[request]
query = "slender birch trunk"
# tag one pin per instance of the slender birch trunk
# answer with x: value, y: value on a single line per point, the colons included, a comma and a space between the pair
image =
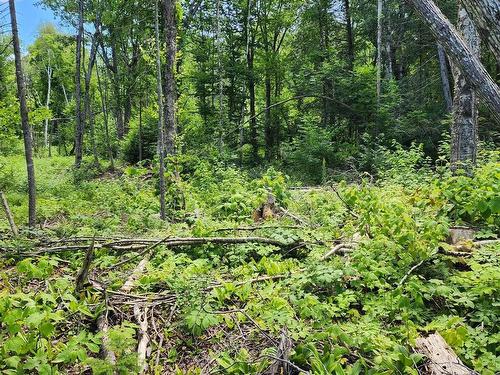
x: 47, y: 103
x: 23, y: 108
x: 79, y: 128
x: 161, y: 136
x: 379, y: 50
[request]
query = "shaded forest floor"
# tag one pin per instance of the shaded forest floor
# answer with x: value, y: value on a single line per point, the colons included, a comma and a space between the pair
x: 336, y: 279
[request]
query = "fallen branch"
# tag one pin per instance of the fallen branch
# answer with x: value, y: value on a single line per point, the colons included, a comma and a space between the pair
x: 148, y: 244
x: 344, y: 247
x: 9, y: 215
x: 102, y: 320
x: 82, y: 277
x: 257, y: 227
x: 142, y: 348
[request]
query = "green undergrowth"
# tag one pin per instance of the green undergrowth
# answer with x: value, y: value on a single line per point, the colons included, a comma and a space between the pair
x: 228, y: 306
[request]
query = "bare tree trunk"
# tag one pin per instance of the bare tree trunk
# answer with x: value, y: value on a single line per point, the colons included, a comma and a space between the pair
x: 486, y: 17
x: 105, y: 113
x: 87, y: 115
x: 8, y: 213
x: 65, y: 94
x: 80, y: 123
x: 445, y: 79
x: 170, y: 86
x: 465, y: 111
x: 350, y: 36
x: 221, y: 78
x: 23, y: 108
x: 379, y: 50
x: 251, y: 84
x: 140, y: 129
x: 161, y: 136
x: 267, y: 117
x: 47, y: 103
x: 457, y: 50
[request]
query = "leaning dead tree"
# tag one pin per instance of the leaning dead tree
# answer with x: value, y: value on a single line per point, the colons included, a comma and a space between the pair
x: 460, y: 54
x: 486, y: 17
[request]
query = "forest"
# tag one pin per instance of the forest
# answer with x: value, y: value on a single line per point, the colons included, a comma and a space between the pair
x: 277, y: 187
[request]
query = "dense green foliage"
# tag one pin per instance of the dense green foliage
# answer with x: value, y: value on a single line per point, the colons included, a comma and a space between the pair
x: 346, y: 315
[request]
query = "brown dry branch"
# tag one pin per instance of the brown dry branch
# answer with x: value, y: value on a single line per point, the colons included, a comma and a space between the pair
x: 146, y: 245
x: 9, y: 215
x: 82, y: 277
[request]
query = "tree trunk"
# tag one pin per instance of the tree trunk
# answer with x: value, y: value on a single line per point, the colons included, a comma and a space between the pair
x: 457, y: 50
x: 47, y: 103
x: 87, y: 114
x: 267, y: 117
x: 161, y: 128
x: 486, y: 17
x: 221, y: 78
x: 105, y: 113
x: 350, y: 35
x: 66, y: 101
x: 170, y: 93
x: 140, y: 129
x: 445, y: 80
x: 79, y: 128
x: 23, y: 109
x: 379, y: 50
x: 465, y: 111
x: 251, y: 85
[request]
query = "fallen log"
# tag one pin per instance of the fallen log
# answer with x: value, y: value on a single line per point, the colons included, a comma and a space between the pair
x: 441, y: 359
x: 145, y: 244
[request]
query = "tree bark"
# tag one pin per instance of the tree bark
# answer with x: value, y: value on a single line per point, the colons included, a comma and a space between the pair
x: 170, y: 86
x: 457, y: 50
x: 23, y: 108
x: 161, y: 127
x: 47, y: 103
x: 465, y: 111
x: 251, y: 84
x: 379, y: 50
x: 140, y: 129
x: 486, y: 17
x: 350, y: 35
x: 87, y: 115
x: 8, y: 213
x: 268, y: 131
x: 445, y: 79
x: 79, y: 128
x: 105, y: 113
